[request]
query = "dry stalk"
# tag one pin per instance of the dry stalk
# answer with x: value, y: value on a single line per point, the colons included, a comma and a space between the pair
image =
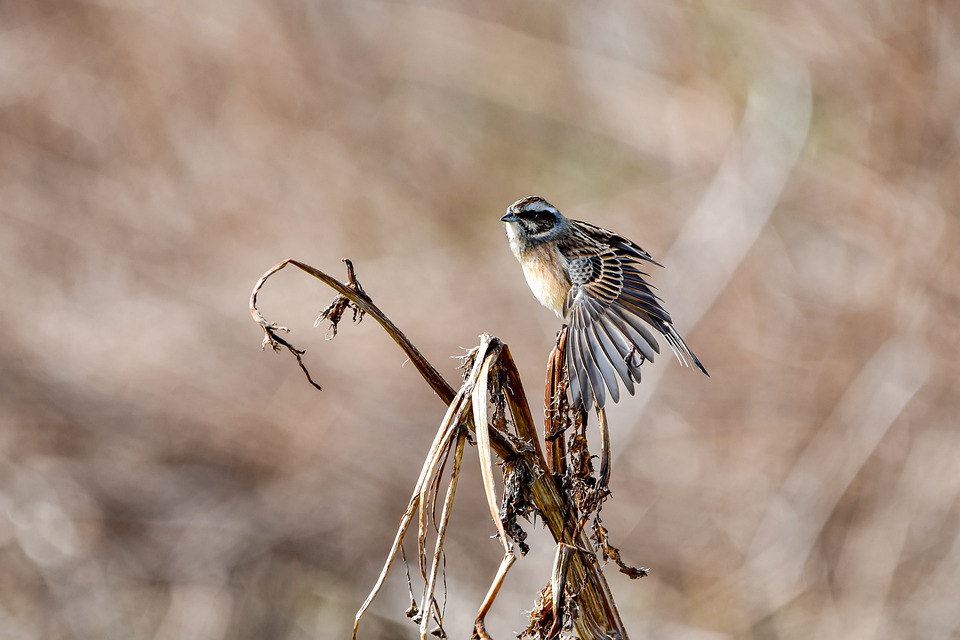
x: 555, y: 410
x: 579, y: 597
x: 431, y: 585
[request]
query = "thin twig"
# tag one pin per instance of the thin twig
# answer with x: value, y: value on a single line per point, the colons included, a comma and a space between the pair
x: 361, y: 300
x: 272, y: 329
x: 479, y: 626
x: 611, y: 552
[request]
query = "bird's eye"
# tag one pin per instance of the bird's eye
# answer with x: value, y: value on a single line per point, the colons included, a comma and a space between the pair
x: 543, y: 216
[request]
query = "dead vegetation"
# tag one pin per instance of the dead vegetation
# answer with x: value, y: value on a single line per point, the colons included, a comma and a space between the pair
x: 560, y: 488
x: 162, y: 479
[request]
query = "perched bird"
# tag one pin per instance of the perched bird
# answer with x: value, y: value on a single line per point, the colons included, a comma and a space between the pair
x: 592, y: 279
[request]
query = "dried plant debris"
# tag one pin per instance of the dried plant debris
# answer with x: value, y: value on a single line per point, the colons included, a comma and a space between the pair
x: 609, y: 552
x: 541, y: 616
x: 517, y: 501
x: 544, y: 623
x: 492, y: 405
x: 579, y: 480
x: 571, y: 611
x: 335, y: 310
x: 274, y: 341
x: 557, y: 403
x: 466, y: 361
x: 413, y: 611
x: 559, y: 413
x: 521, y: 445
x: 499, y: 400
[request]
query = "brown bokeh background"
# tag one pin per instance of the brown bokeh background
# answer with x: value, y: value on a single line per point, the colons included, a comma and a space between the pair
x: 794, y: 166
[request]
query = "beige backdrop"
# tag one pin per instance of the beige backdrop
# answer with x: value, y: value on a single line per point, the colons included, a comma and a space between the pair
x: 794, y: 166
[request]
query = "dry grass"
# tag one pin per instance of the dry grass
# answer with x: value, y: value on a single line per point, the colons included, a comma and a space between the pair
x: 794, y: 166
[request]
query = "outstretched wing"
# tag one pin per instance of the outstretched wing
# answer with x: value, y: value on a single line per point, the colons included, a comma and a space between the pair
x: 609, y: 308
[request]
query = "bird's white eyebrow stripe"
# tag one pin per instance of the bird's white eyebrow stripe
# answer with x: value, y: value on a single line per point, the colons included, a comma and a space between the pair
x: 533, y: 204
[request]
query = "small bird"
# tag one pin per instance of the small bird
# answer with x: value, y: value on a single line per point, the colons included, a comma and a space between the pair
x: 591, y: 278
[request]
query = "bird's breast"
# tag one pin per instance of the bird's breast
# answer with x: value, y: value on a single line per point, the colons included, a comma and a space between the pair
x: 546, y: 271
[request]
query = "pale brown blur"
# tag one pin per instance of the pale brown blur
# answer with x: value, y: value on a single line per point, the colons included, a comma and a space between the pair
x: 793, y: 164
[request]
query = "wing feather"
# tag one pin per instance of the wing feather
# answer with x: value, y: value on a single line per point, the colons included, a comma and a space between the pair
x: 588, y: 357
x: 575, y: 362
x: 640, y: 336
x: 621, y: 335
x: 613, y: 346
x: 610, y: 309
x: 605, y: 363
x: 573, y: 377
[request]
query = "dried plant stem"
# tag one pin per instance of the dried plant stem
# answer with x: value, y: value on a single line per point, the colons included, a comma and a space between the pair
x: 469, y: 407
x: 598, y: 608
x: 558, y: 585
x: 553, y: 423
x: 491, y: 347
x: 603, y: 479
x: 431, y: 584
x: 427, y: 370
x: 440, y: 444
x: 479, y: 626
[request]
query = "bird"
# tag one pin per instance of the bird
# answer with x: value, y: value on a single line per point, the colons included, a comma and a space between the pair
x: 593, y: 279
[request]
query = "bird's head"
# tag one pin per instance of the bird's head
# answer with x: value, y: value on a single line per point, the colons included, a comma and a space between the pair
x: 532, y: 221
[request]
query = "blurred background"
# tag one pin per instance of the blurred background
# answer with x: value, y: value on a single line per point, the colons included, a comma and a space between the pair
x: 793, y: 165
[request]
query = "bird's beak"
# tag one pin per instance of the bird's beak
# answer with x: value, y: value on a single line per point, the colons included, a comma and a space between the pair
x: 510, y: 217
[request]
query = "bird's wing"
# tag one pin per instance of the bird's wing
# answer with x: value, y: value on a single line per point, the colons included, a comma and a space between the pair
x: 609, y: 308
x: 599, y: 234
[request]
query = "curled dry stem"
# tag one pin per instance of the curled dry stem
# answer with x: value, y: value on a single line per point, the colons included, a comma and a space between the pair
x: 362, y: 302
